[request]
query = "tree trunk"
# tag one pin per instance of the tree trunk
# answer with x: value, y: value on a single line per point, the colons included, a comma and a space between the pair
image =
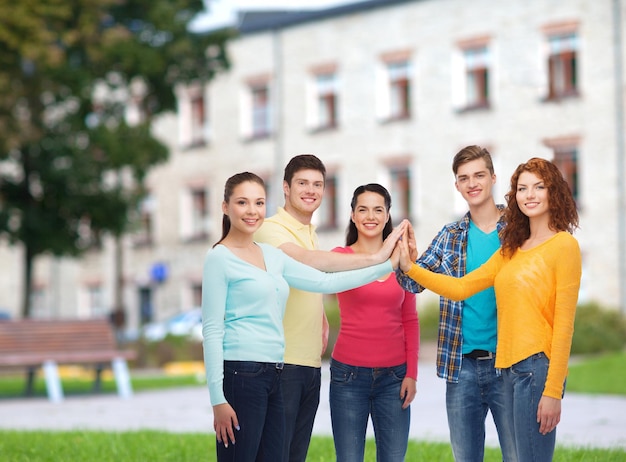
x: 118, y: 314
x: 28, y: 282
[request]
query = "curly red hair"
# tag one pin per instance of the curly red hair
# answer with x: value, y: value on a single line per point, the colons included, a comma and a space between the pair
x: 562, y: 207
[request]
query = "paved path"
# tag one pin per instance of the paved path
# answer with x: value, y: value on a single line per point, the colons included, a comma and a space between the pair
x: 598, y: 421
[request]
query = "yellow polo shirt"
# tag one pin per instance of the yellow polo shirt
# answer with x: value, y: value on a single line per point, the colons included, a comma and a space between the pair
x: 304, y: 312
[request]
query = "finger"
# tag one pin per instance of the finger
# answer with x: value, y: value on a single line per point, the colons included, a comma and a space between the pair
x: 230, y: 434
x: 223, y: 437
x: 408, y: 399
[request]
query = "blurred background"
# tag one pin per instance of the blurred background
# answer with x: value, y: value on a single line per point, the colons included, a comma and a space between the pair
x: 120, y: 124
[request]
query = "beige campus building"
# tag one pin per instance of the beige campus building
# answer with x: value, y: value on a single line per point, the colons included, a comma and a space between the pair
x: 381, y: 91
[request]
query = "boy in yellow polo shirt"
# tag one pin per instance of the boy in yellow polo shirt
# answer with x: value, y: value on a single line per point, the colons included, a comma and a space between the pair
x: 305, y: 324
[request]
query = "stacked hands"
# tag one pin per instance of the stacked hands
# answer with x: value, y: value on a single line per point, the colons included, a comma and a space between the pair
x: 401, y: 246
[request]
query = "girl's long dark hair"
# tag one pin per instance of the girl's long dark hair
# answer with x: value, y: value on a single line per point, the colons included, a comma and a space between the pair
x: 229, y: 187
x: 351, y: 233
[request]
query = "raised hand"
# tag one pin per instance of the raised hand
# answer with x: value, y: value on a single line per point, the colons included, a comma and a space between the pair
x: 411, y: 242
x: 390, y: 243
x: 406, y: 260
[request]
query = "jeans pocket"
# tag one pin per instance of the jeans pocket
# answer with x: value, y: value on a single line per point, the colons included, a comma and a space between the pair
x: 398, y: 372
x: 244, y: 368
x: 340, y: 373
x: 530, y: 366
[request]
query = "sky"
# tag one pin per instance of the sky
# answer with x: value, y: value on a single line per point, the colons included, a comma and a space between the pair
x: 223, y: 12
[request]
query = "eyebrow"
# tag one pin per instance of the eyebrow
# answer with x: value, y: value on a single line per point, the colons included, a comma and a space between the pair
x: 473, y: 173
x: 534, y: 184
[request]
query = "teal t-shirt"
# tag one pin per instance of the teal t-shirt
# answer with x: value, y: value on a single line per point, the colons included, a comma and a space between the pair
x: 479, y: 311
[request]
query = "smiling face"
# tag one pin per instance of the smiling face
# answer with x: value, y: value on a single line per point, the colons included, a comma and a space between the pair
x: 475, y: 182
x: 245, y: 207
x: 370, y: 215
x: 532, y: 195
x: 304, y: 195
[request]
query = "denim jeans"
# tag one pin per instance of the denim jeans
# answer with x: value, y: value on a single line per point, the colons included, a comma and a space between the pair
x: 301, y: 397
x: 479, y: 390
x: 253, y: 390
x: 359, y: 392
x: 524, y: 383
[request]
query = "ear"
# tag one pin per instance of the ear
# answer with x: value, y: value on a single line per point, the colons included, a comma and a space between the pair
x: 493, y: 179
x: 224, y: 208
x: 285, y: 188
x: 456, y: 185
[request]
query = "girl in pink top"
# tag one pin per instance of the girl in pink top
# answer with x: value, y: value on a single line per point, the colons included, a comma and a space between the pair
x: 374, y: 362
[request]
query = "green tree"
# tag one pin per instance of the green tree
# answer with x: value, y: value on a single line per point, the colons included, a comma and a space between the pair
x: 71, y: 160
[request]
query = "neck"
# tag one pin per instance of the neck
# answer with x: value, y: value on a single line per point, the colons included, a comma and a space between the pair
x: 540, y: 227
x: 238, y: 240
x: 304, y: 218
x: 367, y: 245
x: 485, y: 215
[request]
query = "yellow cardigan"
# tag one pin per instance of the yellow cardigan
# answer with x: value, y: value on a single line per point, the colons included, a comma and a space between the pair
x: 536, y: 293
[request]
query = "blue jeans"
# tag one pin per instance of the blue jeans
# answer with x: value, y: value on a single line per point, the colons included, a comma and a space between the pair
x: 301, y: 396
x: 479, y: 390
x: 253, y: 390
x: 355, y: 394
x: 524, y: 384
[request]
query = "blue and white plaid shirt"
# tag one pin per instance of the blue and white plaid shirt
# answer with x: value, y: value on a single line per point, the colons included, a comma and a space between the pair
x: 447, y: 255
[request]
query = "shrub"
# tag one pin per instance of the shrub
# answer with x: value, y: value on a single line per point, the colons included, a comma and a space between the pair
x: 598, y: 329
x: 171, y: 348
x: 429, y: 321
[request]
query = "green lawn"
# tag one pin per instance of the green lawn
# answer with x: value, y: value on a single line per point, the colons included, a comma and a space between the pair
x: 13, y: 386
x: 160, y: 446
x: 602, y: 374
x: 598, y: 374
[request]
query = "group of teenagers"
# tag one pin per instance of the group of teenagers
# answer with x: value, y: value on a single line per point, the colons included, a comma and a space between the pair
x: 508, y: 276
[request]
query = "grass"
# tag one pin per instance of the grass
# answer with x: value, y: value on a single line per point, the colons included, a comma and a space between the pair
x: 13, y: 386
x: 602, y: 374
x: 594, y: 374
x: 77, y: 446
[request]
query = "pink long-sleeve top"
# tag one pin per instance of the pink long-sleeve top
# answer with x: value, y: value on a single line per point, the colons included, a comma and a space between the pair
x: 379, y: 325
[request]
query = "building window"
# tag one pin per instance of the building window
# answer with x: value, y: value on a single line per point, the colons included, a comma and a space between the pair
x: 194, y: 212
x: 144, y: 234
x: 327, y: 213
x: 400, y: 191
x: 198, y: 120
x: 562, y: 65
x: 326, y: 88
x: 261, y: 118
x: 476, y: 61
x: 196, y: 294
x: 95, y: 301
x: 192, y: 115
x: 399, y: 89
x: 199, y: 214
x: 38, y: 302
x: 566, y: 158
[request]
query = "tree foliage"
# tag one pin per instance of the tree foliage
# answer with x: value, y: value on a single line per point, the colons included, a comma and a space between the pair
x: 69, y: 71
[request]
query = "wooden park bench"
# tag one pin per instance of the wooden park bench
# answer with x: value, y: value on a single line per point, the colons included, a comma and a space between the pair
x: 35, y: 343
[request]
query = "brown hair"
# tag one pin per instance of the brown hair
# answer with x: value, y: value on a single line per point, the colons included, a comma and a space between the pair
x: 303, y: 162
x: 229, y: 187
x: 470, y: 153
x: 562, y: 207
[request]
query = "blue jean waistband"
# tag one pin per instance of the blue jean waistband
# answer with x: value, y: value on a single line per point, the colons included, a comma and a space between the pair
x: 279, y: 365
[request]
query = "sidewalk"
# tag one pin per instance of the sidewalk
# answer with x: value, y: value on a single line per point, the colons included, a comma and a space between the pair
x: 595, y: 421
